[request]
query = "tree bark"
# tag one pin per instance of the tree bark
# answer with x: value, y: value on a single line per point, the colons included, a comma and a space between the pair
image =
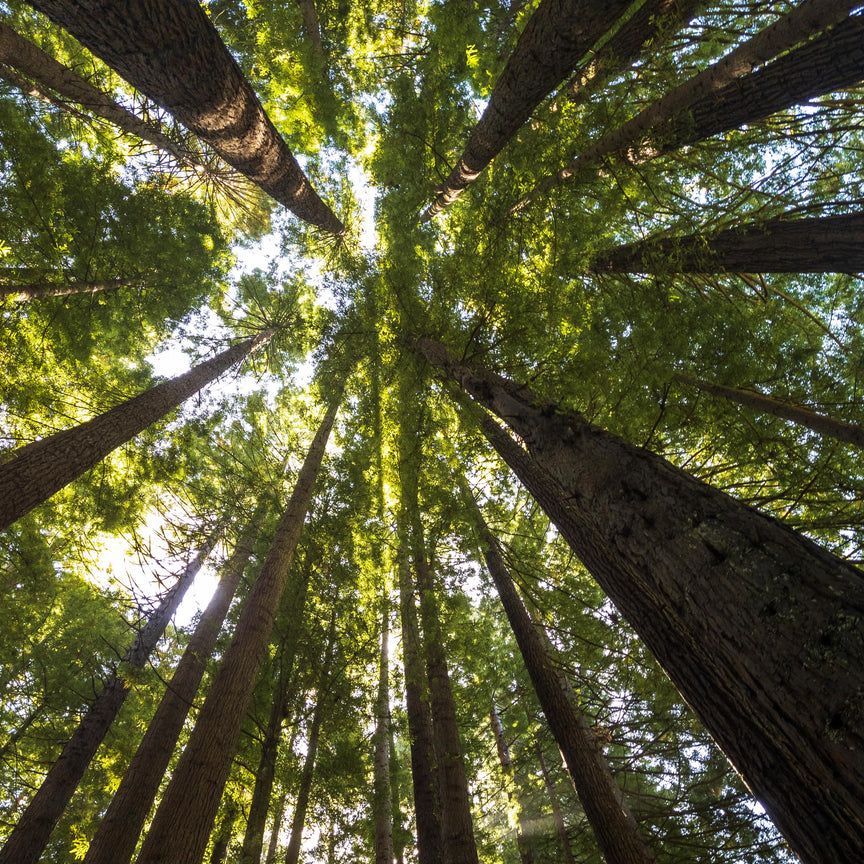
x: 618, y: 836
x: 43, y: 290
x: 185, y: 816
x: 555, y: 804
x: 38, y: 470
x: 220, y: 845
x: 756, y: 625
x: 171, y: 52
x: 719, y: 82
x: 313, y: 31
x: 276, y: 827
x: 828, y: 244
x: 851, y: 433
x: 28, y: 839
x: 118, y: 832
x: 554, y: 40
x: 382, y: 803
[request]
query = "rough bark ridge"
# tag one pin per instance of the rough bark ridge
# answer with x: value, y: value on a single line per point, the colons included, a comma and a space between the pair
x: 183, y: 822
x: 118, y: 832
x: 758, y: 627
x: 382, y: 803
x: 608, y: 813
x: 555, y: 39
x: 43, y: 290
x: 28, y: 839
x: 827, y: 244
x: 37, y: 471
x: 171, y: 52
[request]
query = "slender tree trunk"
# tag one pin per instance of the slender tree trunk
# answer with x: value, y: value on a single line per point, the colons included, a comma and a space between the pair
x: 28, y: 839
x: 851, y: 433
x: 396, y: 811
x: 555, y: 804
x: 170, y: 51
x: 809, y: 18
x: 276, y: 827
x: 118, y: 832
x: 526, y: 853
x: 226, y: 829
x: 43, y: 290
x: 313, y: 32
x: 382, y: 804
x: 298, y: 821
x: 183, y: 821
x: 618, y: 836
x: 38, y: 470
x: 828, y: 244
x: 554, y: 40
x: 424, y: 773
x: 755, y: 624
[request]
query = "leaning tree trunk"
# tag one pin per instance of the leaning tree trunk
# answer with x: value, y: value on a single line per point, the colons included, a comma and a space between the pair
x: 757, y: 626
x: 618, y: 836
x: 44, y: 290
x: 672, y: 114
x: 118, y: 832
x: 382, y: 804
x: 30, y: 836
x: 555, y: 804
x: 828, y: 244
x: 38, y: 470
x: 555, y: 39
x: 171, y: 52
x: 185, y: 816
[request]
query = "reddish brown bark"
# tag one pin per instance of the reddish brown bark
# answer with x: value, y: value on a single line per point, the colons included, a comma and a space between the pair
x: 171, y: 52
x: 185, y: 816
x: 756, y: 625
x: 37, y: 471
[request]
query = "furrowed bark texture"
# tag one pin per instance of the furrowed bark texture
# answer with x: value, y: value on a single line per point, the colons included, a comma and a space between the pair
x: 37, y: 471
x: 758, y: 627
x: 555, y: 39
x: 851, y: 433
x: 382, y: 803
x: 171, y: 52
x: 828, y: 244
x: 118, y: 832
x: 28, y: 839
x: 43, y: 290
x: 608, y: 813
x: 185, y: 816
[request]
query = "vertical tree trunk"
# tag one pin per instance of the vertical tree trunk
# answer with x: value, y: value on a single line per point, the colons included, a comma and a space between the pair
x: 118, y: 832
x: 618, y: 835
x: 44, y: 290
x: 313, y: 32
x: 276, y: 827
x: 170, y: 51
x: 183, y: 821
x: 28, y: 839
x: 38, y: 470
x: 755, y: 624
x: 226, y: 829
x: 292, y: 855
x: 396, y: 810
x: 382, y: 804
x: 555, y: 804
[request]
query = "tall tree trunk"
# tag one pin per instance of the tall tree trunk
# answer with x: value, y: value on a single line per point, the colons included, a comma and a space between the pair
x: 28, y: 839
x: 618, y: 836
x: 396, y: 806
x: 118, y: 832
x: 276, y: 827
x: 38, y: 470
x: 718, y: 81
x: 183, y: 821
x: 170, y: 51
x: 298, y: 821
x: 526, y: 853
x: 253, y: 839
x: 828, y: 244
x: 382, y: 804
x: 313, y: 32
x: 43, y: 290
x: 555, y: 804
x: 555, y: 39
x: 755, y: 624
x: 424, y: 772
x: 226, y: 830
x: 851, y: 433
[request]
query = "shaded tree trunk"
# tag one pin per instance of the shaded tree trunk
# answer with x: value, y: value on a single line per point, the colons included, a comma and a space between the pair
x: 170, y: 51
x: 755, y: 624
x: 183, y: 821
x: 44, y: 290
x: 276, y: 827
x: 828, y: 244
x: 555, y: 39
x: 555, y: 804
x: 313, y: 31
x: 226, y: 830
x: 399, y: 832
x: 382, y: 803
x: 118, y: 832
x: 28, y: 839
x: 38, y: 470
x: 618, y: 836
